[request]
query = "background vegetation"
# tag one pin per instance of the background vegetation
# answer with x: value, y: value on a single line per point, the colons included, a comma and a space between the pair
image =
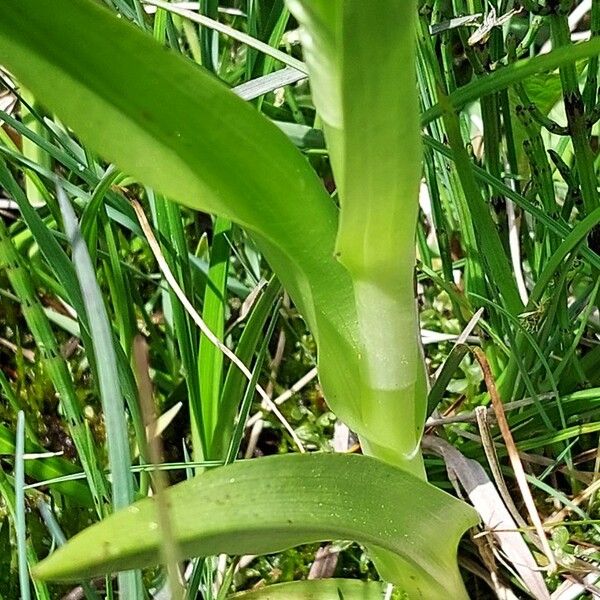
x: 508, y: 249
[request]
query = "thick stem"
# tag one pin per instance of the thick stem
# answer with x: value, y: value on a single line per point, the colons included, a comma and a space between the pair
x: 392, y: 372
x: 411, y: 584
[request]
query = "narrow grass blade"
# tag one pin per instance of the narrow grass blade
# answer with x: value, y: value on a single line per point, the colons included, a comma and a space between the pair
x: 54, y: 364
x: 210, y: 358
x: 233, y: 388
x: 234, y: 33
x: 451, y: 364
x: 514, y: 73
x: 32, y: 151
x: 268, y: 83
x: 20, y: 524
x: 48, y: 468
x: 489, y: 244
x: 168, y: 222
x: 7, y: 492
x: 108, y: 378
x: 246, y: 403
x: 112, y: 400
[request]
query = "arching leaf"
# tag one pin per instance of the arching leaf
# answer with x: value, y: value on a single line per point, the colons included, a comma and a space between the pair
x: 266, y: 505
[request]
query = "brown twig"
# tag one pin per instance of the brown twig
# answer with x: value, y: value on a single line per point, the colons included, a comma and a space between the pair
x: 155, y: 452
x: 513, y: 455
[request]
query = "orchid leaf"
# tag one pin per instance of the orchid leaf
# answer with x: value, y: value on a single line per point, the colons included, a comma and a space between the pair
x: 266, y: 505
x: 175, y: 127
x: 316, y: 589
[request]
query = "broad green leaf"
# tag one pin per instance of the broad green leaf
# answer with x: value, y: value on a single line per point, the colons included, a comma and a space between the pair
x: 149, y: 108
x: 361, y: 60
x: 175, y: 127
x: 317, y: 589
x: 266, y: 505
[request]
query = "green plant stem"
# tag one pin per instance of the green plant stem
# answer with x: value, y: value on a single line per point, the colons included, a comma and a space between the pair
x: 576, y: 116
x: 590, y: 91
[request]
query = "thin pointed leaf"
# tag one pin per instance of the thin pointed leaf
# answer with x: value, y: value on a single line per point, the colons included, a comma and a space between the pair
x: 113, y: 405
x: 233, y: 387
x: 210, y: 358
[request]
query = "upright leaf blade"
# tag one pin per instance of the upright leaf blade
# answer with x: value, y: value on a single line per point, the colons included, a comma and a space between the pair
x: 278, y: 502
x: 113, y: 406
x: 210, y: 358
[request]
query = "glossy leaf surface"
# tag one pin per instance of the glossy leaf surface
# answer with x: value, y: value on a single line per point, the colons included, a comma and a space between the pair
x: 267, y: 505
x: 317, y: 589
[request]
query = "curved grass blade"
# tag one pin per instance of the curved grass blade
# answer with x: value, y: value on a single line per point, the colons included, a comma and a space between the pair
x: 269, y: 504
x: 168, y: 222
